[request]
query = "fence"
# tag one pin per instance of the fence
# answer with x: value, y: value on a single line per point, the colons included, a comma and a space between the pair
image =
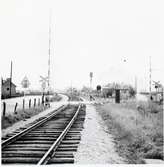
x: 26, y: 104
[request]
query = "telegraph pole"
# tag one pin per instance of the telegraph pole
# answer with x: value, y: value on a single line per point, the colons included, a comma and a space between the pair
x: 49, y: 52
x: 136, y: 84
x: 11, y: 77
x: 150, y: 71
x: 91, y: 76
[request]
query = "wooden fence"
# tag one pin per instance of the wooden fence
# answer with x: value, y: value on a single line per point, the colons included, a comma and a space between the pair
x: 35, y: 102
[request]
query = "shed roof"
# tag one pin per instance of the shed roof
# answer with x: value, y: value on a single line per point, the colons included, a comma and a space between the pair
x: 7, y: 83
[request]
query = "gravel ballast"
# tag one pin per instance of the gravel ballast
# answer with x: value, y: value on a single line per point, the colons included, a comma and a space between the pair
x: 97, y: 145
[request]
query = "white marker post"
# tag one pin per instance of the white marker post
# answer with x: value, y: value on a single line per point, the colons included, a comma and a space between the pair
x: 43, y: 81
x: 25, y: 84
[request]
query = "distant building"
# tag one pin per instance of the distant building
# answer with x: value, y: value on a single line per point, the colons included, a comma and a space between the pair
x: 109, y: 91
x: 5, y: 88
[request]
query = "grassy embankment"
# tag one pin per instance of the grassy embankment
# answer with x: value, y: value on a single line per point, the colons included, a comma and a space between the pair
x: 137, y: 129
x: 21, y: 114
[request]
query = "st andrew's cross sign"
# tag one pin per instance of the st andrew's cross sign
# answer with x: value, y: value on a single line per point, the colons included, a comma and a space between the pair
x: 25, y: 82
x: 43, y: 81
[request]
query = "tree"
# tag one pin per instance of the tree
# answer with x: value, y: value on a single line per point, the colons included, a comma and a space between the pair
x: 85, y: 89
x: 132, y: 91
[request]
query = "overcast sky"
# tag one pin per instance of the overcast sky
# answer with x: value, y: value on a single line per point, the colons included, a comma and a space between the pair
x: 87, y: 36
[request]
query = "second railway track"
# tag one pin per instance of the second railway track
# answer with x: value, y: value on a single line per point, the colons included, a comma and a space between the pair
x: 51, y: 140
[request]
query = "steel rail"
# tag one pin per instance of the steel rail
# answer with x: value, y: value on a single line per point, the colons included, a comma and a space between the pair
x: 24, y: 132
x: 51, y: 152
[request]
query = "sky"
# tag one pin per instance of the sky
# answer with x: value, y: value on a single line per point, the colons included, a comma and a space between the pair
x: 112, y: 39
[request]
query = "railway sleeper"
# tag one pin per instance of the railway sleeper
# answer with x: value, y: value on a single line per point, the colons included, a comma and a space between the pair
x: 39, y: 153
x: 35, y: 146
x: 24, y: 160
x: 31, y: 153
x: 55, y: 130
x: 48, y: 138
x: 66, y: 149
x: 42, y: 133
x: 16, y: 147
x: 26, y: 149
x: 60, y: 160
x: 37, y: 136
x: 41, y: 149
x: 33, y: 142
x: 54, y: 133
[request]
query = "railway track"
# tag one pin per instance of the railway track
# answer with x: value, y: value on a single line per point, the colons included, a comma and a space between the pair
x: 51, y: 140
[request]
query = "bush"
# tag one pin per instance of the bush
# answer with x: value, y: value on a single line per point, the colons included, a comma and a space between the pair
x: 132, y: 91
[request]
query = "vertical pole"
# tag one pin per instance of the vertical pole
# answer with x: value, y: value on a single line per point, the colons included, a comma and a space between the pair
x: 91, y: 76
x: 10, y: 78
x: 30, y: 103
x: 49, y: 53
x: 24, y: 92
x: 71, y: 92
x: 90, y: 83
x: 150, y: 71
x: 23, y: 104
x: 39, y: 102
x: 136, y: 84
x: 4, y: 108
x: 1, y: 88
x: 117, y: 98
x: 34, y: 102
x: 15, y: 109
x: 43, y: 99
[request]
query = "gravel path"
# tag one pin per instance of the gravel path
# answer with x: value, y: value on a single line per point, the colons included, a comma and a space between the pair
x: 96, y: 146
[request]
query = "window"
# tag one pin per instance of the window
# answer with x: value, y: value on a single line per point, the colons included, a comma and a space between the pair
x: 8, y: 89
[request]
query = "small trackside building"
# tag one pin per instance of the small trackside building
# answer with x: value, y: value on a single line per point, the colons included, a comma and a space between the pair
x: 5, y: 88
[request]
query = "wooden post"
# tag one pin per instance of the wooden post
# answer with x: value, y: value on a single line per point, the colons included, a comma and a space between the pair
x: 4, y: 108
x: 43, y: 99
x: 39, y: 102
x: 34, y: 102
x: 23, y: 104
x: 15, y: 108
x: 30, y: 103
x: 10, y: 79
x: 117, y: 95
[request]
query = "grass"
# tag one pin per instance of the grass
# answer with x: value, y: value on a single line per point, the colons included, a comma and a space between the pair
x: 73, y: 97
x: 55, y: 98
x: 137, y: 128
x: 9, y: 120
x: 21, y: 114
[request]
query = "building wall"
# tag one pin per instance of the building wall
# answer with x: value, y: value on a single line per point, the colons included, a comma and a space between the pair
x: 6, y: 90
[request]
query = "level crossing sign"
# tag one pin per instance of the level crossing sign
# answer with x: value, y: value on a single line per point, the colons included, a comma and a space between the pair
x: 91, y: 74
x: 25, y: 82
x: 43, y: 85
x: 43, y: 81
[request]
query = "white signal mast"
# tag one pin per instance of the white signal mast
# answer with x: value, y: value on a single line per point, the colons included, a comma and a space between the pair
x: 150, y: 71
x: 49, y: 52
